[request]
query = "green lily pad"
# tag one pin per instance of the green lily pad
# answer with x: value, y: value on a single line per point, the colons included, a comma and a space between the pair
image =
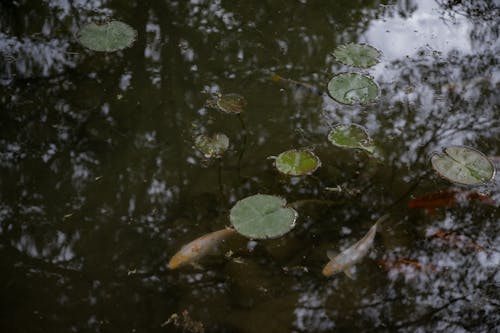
x: 231, y: 103
x: 352, y: 88
x: 262, y: 216
x: 212, y: 146
x: 357, y: 55
x: 108, y: 37
x: 297, y: 162
x: 463, y: 165
x: 351, y: 136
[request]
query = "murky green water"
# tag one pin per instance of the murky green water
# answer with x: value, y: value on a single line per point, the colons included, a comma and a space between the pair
x: 100, y: 184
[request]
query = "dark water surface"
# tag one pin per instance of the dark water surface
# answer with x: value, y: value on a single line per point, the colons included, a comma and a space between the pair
x: 100, y: 184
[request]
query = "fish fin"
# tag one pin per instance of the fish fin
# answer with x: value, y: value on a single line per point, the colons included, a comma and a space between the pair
x: 330, y: 254
x: 348, y: 272
x: 276, y: 78
x: 197, y: 266
x: 431, y: 211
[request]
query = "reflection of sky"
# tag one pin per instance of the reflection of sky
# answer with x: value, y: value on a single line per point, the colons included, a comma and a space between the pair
x: 399, y: 37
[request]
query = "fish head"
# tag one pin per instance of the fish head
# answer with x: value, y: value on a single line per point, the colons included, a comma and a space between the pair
x: 178, y: 260
x: 333, y: 267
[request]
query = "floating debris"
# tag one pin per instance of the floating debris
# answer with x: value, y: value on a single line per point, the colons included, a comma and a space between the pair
x: 185, y: 322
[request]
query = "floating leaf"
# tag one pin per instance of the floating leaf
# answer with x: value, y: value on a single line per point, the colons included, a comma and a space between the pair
x: 297, y: 162
x: 463, y: 165
x: 352, y: 88
x: 212, y: 146
x: 262, y: 216
x: 231, y: 103
x: 351, y: 136
x: 108, y: 37
x: 357, y: 55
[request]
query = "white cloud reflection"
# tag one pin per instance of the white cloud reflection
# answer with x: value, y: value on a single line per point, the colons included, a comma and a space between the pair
x: 399, y: 37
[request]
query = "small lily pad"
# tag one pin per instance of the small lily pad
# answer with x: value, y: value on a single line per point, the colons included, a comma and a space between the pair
x: 357, y: 55
x: 352, y: 88
x: 262, y: 216
x: 297, y: 162
x: 351, y: 136
x: 212, y: 146
x: 463, y: 165
x: 231, y: 103
x: 108, y: 37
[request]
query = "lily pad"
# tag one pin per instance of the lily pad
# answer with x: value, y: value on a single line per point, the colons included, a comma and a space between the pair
x: 297, y: 162
x: 262, y: 216
x: 357, y: 55
x: 231, y: 103
x: 108, y: 37
x: 212, y: 146
x: 352, y: 88
x: 463, y: 165
x: 351, y: 136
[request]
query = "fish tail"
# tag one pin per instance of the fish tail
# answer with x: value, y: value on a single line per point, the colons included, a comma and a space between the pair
x: 382, y: 218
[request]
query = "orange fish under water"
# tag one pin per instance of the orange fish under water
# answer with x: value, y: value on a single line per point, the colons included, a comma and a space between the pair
x: 399, y: 264
x: 195, y: 250
x: 446, y: 199
x: 453, y: 239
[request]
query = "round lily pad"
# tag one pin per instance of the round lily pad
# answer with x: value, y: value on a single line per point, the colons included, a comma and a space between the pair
x: 212, y: 146
x: 463, y: 165
x: 352, y: 88
x: 262, y: 216
x: 231, y: 103
x: 297, y: 162
x: 108, y: 37
x: 357, y: 55
x: 351, y: 136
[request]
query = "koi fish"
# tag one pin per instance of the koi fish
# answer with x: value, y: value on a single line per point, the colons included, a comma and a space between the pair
x: 446, y: 199
x: 400, y: 264
x: 460, y: 241
x: 195, y: 250
x: 302, y: 85
x: 349, y: 257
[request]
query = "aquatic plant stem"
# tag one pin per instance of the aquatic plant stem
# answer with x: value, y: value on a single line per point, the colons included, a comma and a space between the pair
x: 219, y: 179
x: 243, y: 144
x: 302, y: 202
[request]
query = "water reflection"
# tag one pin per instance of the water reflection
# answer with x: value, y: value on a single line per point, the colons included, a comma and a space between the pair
x: 101, y: 185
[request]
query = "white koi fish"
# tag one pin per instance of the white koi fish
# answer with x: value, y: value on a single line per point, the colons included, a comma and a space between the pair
x: 349, y: 257
x: 195, y: 250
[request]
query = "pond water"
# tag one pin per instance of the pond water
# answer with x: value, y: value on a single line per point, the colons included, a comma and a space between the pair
x: 101, y: 185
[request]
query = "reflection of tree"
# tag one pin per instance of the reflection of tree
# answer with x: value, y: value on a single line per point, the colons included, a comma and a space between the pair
x: 100, y: 184
x: 481, y: 10
x: 482, y: 14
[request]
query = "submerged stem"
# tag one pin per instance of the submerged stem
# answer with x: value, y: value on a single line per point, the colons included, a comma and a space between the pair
x: 243, y: 144
x: 302, y: 202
